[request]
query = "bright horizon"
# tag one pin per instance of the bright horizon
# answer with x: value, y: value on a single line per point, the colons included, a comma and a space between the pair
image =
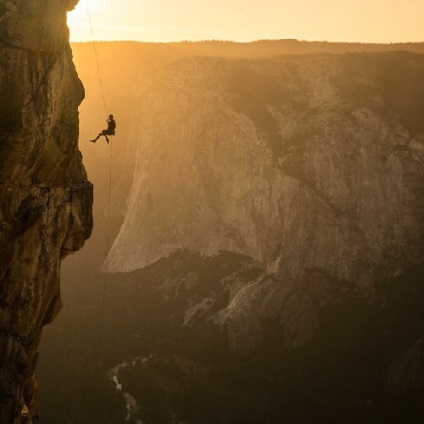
x: 368, y: 21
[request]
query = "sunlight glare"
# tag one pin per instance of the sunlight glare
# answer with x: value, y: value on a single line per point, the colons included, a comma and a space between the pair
x: 176, y: 20
x: 78, y: 19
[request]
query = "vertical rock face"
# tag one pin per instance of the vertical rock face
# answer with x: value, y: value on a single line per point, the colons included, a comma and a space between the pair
x: 45, y: 198
x: 277, y: 160
x: 311, y: 165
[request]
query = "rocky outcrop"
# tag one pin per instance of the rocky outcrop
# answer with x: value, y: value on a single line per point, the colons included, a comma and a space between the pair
x: 311, y: 165
x: 45, y: 197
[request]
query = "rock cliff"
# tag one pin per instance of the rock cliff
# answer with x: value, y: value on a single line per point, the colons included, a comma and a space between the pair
x: 311, y: 165
x: 45, y: 200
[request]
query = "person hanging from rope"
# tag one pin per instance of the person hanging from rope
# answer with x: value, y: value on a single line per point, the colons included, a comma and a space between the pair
x: 111, y: 127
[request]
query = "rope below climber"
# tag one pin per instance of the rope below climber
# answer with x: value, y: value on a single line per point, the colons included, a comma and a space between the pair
x: 111, y: 127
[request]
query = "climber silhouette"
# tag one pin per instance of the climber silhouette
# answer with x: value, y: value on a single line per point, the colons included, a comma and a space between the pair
x: 111, y: 127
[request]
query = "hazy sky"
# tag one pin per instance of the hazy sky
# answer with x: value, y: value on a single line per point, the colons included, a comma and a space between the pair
x: 245, y: 20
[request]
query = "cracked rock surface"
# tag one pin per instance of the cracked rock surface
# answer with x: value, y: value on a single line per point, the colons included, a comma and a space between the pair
x: 311, y: 165
x: 45, y: 197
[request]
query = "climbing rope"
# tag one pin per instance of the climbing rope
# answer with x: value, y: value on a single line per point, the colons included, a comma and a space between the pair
x: 97, y: 56
x: 106, y: 263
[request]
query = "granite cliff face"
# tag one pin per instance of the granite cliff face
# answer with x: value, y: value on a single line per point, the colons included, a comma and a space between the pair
x: 312, y: 166
x: 45, y: 201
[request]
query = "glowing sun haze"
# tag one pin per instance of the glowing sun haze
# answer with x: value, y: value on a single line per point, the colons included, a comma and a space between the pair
x: 246, y: 20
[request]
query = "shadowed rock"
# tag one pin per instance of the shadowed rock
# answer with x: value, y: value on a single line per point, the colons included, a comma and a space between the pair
x: 45, y: 197
x: 310, y: 165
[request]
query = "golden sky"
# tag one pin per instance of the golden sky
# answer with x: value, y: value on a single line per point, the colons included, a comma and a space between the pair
x: 245, y: 20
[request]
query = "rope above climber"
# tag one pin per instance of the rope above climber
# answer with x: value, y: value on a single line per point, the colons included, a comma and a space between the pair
x: 111, y: 127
